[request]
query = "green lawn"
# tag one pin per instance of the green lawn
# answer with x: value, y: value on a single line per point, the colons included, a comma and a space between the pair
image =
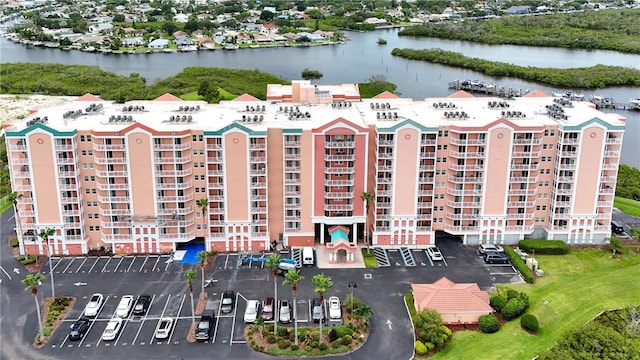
x: 575, y: 289
x: 369, y: 258
x: 224, y: 95
x: 5, y: 205
x: 627, y: 206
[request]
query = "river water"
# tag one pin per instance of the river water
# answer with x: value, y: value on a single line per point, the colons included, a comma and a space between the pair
x: 357, y: 61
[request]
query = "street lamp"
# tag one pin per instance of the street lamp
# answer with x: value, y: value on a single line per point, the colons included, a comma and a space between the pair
x: 352, y: 285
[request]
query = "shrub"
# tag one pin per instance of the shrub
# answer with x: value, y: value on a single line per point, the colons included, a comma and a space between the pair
x: 429, y: 346
x: 335, y: 344
x: 333, y: 335
x: 497, y: 302
x: 283, y: 331
x: 408, y: 299
x: 529, y: 322
x: 29, y: 259
x: 513, y: 309
x: 301, y: 336
x: 283, y: 344
x: 271, y: 339
x: 420, y: 348
x: 512, y: 294
x: 292, y: 337
x: 295, y: 347
x: 253, y: 343
x: 346, y: 340
x: 322, y: 347
x: 546, y: 247
x: 520, y: 265
x: 314, y: 344
x: 15, y: 242
x: 308, y: 348
x: 488, y: 324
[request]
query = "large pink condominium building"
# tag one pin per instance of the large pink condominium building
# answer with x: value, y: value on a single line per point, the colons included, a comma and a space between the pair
x: 148, y: 176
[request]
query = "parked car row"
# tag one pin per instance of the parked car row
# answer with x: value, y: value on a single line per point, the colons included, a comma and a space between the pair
x: 266, y: 310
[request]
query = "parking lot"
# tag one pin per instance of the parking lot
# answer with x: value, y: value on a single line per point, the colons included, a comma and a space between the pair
x: 111, y: 264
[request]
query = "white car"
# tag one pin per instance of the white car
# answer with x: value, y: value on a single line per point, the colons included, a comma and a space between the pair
x: 285, y: 312
x: 112, y: 330
x: 335, y: 312
x: 124, y: 307
x: 163, y: 330
x: 434, y: 253
x: 94, y: 305
x: 251, y: 312
x: 484, y: 248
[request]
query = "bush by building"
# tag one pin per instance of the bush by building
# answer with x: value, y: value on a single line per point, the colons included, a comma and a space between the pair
x: 544, y: 247
x: 488, y: 323
x: 421, y: 349
x: 498, y: 301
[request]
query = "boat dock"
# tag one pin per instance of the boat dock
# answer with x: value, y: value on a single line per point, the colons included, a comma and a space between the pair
x: 491, y: 89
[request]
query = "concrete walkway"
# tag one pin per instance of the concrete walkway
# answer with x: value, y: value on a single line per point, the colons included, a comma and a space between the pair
x: 323, y: 260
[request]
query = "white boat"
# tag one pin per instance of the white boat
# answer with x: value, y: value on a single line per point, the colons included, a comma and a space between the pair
x: 634, y: 104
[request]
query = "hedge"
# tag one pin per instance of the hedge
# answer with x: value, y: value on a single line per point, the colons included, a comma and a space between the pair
x: 497, y: 302
x: 421, y: 349
x: 488, y: 323
x: 519, y: 265
x: 530, y: 322
x: 513, y: 309
x: 544, y: 247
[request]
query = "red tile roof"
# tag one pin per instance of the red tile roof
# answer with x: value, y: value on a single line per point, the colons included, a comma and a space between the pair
x: 537, y: 93
x: 246, y: 97
x: 386, y: 95
x: 88, y: 97
x: 445, y: 296
x: 167, y: 97
x: 461, y: 94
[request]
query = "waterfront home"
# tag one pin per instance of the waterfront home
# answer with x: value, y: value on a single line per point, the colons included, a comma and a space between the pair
x: 100, y: 27
x: 243, y: 39
x: 159, y: 44
x: 324, y: 34
x: 206, y: 42
x: 269, y: 29
x: 292, y: 36
x: 311, y: 36
x: 132, y: 42
x: 376, y: 21
x: 179, y: 33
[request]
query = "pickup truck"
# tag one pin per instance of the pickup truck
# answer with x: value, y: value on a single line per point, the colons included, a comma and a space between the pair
x: 205, y: 325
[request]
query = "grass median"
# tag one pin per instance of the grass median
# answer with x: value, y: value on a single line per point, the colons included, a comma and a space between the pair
x: 627, y: 206
x: 575, y: 289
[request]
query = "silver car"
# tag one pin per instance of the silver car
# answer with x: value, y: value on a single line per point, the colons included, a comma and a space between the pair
x: 94, y: 305
x: 285, y: 312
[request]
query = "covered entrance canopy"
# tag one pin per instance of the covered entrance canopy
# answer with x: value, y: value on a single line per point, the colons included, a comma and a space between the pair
x: 340, y: 245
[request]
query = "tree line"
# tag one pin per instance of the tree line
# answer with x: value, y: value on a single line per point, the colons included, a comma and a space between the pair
x: 598, y: 76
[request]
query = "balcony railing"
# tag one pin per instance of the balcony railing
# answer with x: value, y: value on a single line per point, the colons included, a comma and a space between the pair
x: 215, y: 185
x: 116, y: 212
x: 104, y: 174
x: 19, y: 161
x: 67, y: 161
x: 66, y: 147
x: 467, y: 179
x: 293, y: 205
x: 428, y: 141
x: 182, y: 236
x: 460, y: 228
x: 561, y: 215
x: 425, y: 205
x: 109, y: 147
x: 523, y: 216
x: 21, y: 174
x: 453, y: 216
x: 465, y: 167
x: 568, y: 153
x: 564, y: 191
x: 107, y: 186
x: 107, y: 161
x: 524, y: 204
x: 114, y: 224
x: 460, y: 204
x: 215, y: 160
x: 564, y: 140
x: 340, y: 157
x: 606, y: 191
x: 525, y: 154
x: 385, y: 155
x: 258, y: 146
x: 214, y: 146
x: 339, y: 195
x: 613, y: 140
x: 531, y: 167
x: 605, y: 203
x: 425, y: 192
x: 172, y: 160
x: 522, y: 192
x: 171, y: 186
x: 183, y: 146
x: 567, y: 179
x: 292, y: 181
x: 262, y: 159
x: 75, y: 212
x: 176, y: 211
x: 170, y: 199
x: 560, y: 204
x: 338, y: 170
x: 339, y: 144
x: 115, y: 237
x: 178, y: 223
x: 68, y: 174
x: 523, y: 179
x: 339, y: 182
x: 72, y: 187
x: 292, y: 143
x: 292, y: 156
x: 384, y: 205
x: 429, y: 155
x: 464, y: 192
x: 608, y: 166
x: 532, y: 141
x: 468, y: 155
x: 262, y: 197
x: 70, y: 200
x: 114, y: 199
x: 608, y: 178
x: 427, y: 167
x: 172, y: 173
x: 338, y: 207
x: 18, y: 147
x: 385, y: 192
x: 258, y: 172
x: 466, y: 142
x: 385, y: 142
x: 259, y: 185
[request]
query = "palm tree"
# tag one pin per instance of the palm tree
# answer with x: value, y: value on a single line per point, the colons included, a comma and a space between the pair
x: 272, y: 263
x: 202, y: 259
x: 321, y: 284
x: 32, y: 281
x: 14, y: 197
x: 44, y: 235
x: 367, y: 197
x: 293, y: 277
x: 190, y: 275
x: 203, y: 204
x: 363, y: 311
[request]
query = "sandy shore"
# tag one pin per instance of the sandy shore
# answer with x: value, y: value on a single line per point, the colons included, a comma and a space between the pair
x: 14, y: 107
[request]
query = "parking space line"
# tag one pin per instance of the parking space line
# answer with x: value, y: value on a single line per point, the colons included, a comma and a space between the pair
x: 105, y: 265
x: 444, y: 261
x: 144, y: 262
x: 144, y: 318
x: 153, y: 335
x: 125, y: 321
x: 177, y: 317
x: 132, y: 261
x: 168, y: 262
x: 94, y: 264
x: 119, y: 262
x: 226, y: 260
x: 65, y: 269
x: 83, y: 261
x: 57, y: 263
x: 155, y: 265
x: 233, y: 323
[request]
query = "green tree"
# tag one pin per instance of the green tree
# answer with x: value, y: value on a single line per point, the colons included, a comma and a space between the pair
x: 13, y: 197
x: 45, y: 234
x: 203, y: 204
x: 31, y: 283
x: 202, y: 260
x: 266, y: 15
x: 190, y: 275
x: 293, y: 277
x: 321, y: 284
x: 363, y: 311
x: 272, y: 263
x: 367, y: 197
x: 428, y: 325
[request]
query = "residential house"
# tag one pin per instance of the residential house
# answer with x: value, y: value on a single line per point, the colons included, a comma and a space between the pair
x: 159, y: 44
x: 292, y: 36
x: 269, y: 29
x: 517, y: 10
x: 311, y: 36
x: 181, y: 18
x: 100, y: 27
x: 133, y: 41
x: 243, y: 39
x: 204, y: 16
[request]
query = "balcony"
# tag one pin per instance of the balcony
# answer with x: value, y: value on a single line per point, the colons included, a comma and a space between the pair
x: 339, y: 195
x: 560, y: 215
x: 383, y: 217
x: 341, y: 157
x: 75, y: 212
x: 460, y: 228
x: 114, y: 224
x: 292, y: 169
x: 66, y: 147
x: 292, y: 156
x: 172, y: 160
x: 172, y: 173
x: 566, y: 179
x: 72, y: 225
x: 523, y: 179
x: 525, y: 154
x: 258, y: 172
x: 22, y: 187
x: 105, y: 174
x: 183, y: 236
x: 19, y: 161
x: 608, y: 179
x: 214, y: 146
x: 467, y: 179
x: 293, y: 205
x: 114, y: 199
x: 175, y: 211
x: 520, y: 228
x: 568, y: 140
x: 426, y: 179
x: 464, y: 192
x: 292, y: 181
x: 217, y: 211
x: 183, y: 146
x: 467, y: 155
x: 424, y: 192
x: 603, y: 215
x: 531, y: 167
x: 292, y: 143
x: 605, y: 203
x: 428, y: 155
x: 524, y: 204
x: 67, y: 161
x: 68, y: 174
x: 115, y: 237
x: 338, y: 170
x: 258, y: 146
x: 215, y: 185
x: 568, y: 154
x: 109, y: 160
x: 114, y: 212
x: 613, y: 140
x: 259, y: 222
x: 425, y: 205
x: 171, y: 199
x: 339, y: 144
x: 523, y: 216
x: 560, y: 204
x: 531, y: 141
x: 259, y: 185
x: 453, y: 216
x: 427, y: 167
x: 385, y: 155
x: 522, y: 191
x: 423, y: 228
x: 215, y: 198
x: 465, y: 167
x: 215, y: 173
x: 384, y: 180
x: 385, y: 142
x: 386, y: 192
x: 340, y: 182
x: 338, y: 207
x: 606, y: 191
x: 460, y: 204
x: 259, y: 235
x: 608, y: 166
x: 178, y: 223
x: 428, y: 141
x: 384, y: 205
x: 215, y: 160
x: 564, y: 191
x: 22, y: 147
x: 262, y: 159
x: 106, y: 187
x: 109, y: 147
x: 70, y: 200
x: 21, y: 174
x: 263, y: 197
x: 467, y: 142
x: 72, y: 187
x: 176, y: 186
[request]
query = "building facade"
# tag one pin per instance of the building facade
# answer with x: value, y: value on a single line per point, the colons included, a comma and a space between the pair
x: 149, y: 176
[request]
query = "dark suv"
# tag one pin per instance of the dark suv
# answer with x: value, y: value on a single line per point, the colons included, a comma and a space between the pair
x: 142, y: 304
x: 228, y: 301
x: 496, y: 258
x: 205, y: 325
